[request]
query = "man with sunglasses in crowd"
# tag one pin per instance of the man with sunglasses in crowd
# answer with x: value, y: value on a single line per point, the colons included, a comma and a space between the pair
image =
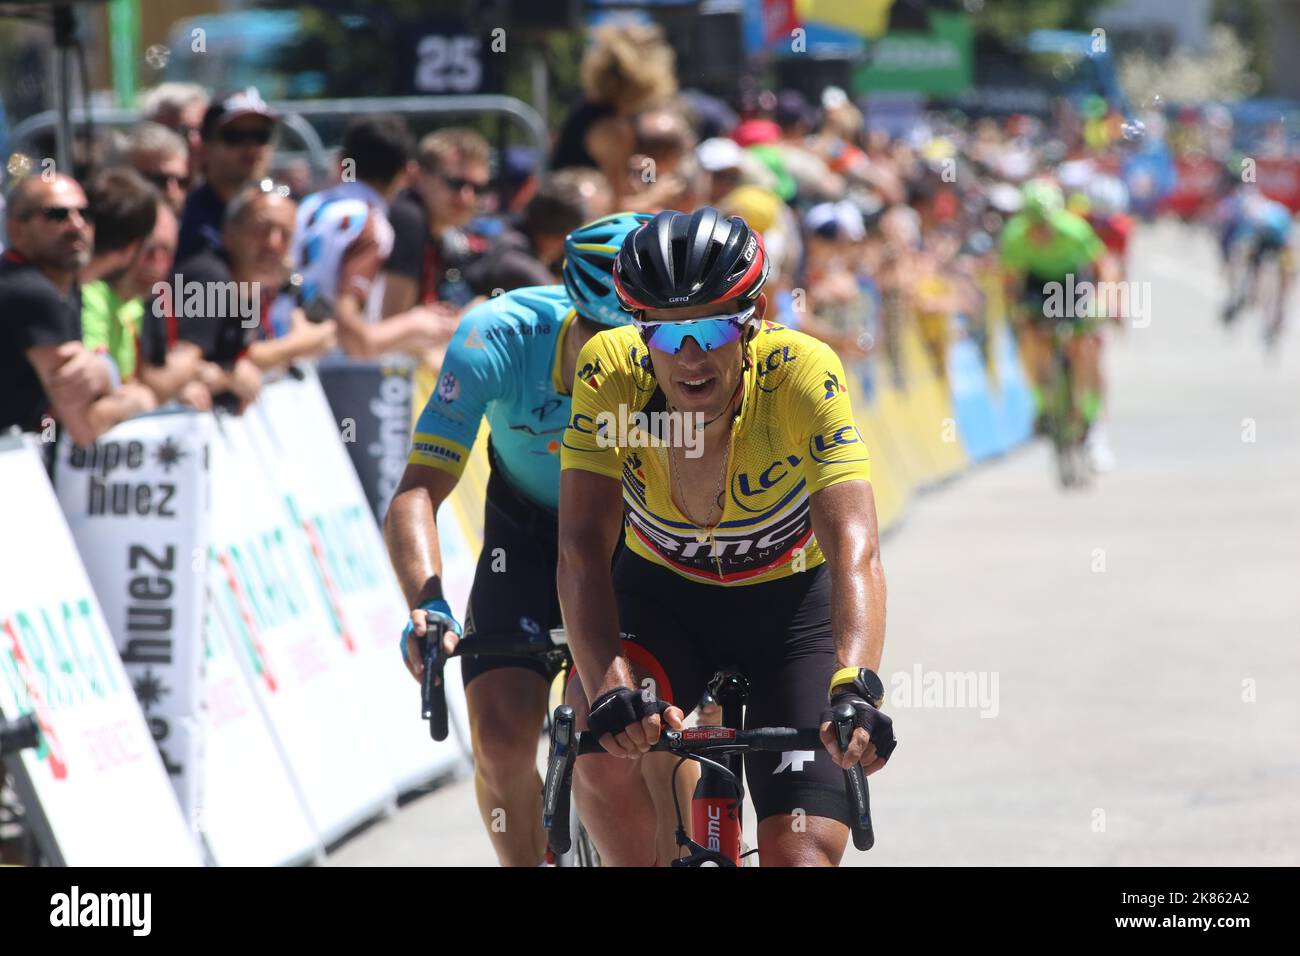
x: 43, y: 363
x: 751, y: 541
x: 236, y: 150
x: 161, y: 157
x: 430, y: 243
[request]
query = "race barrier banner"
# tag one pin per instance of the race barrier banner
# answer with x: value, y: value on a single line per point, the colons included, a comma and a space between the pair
x: 251, y: 811
x: 286, y: 642
x: 136, y: 503
x: 370, y: 403
x: 302, y: 450
x: 96, y: 789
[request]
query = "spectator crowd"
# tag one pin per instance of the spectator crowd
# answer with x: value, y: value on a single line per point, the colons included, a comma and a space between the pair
x: 194, y: 262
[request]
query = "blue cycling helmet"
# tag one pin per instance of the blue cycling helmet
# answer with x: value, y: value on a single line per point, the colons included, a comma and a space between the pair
x: 589, y: 254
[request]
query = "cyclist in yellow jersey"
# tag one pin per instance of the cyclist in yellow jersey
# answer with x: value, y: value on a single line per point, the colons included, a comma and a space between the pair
x: 729, y: 444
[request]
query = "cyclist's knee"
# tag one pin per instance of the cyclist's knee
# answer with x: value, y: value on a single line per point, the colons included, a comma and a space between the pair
x: 797, y: 840
x: 608, y: 779
x: 504, y: 725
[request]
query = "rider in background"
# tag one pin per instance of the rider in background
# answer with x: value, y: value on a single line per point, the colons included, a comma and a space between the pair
x: 1248, y: 217
x: 513, y: 360
x: 1046, y: 250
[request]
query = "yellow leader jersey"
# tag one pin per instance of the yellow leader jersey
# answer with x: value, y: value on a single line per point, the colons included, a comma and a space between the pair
x: 794, y: 435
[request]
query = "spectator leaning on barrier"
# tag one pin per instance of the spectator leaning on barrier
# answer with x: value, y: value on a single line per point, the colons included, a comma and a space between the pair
x: 180, y: 107
x: 43, y: 363
x: 170, y: 373
x: 344, y: 237
x: 218, y: 300
x: 126, y: 210
x: 236, y: 151
x: 160, y: 156
x: 430, y: 245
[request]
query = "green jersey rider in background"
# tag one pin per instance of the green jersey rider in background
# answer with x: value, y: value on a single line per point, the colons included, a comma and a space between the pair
x: 1044, y: 244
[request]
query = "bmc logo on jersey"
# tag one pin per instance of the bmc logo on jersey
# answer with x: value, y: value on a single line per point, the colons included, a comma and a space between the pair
x: 829, y: 447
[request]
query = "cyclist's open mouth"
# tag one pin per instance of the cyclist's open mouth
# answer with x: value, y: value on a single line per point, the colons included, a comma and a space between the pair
x: 699, y: 387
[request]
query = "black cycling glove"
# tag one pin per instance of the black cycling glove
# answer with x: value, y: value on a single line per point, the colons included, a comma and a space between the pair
x: 613, y: 711
x: 878, y: 724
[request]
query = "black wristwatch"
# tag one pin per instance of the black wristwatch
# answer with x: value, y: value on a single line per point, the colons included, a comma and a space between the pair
x: 864, y: 681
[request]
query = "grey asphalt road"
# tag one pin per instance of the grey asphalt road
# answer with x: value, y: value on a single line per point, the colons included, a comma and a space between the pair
x: 1138, y: 644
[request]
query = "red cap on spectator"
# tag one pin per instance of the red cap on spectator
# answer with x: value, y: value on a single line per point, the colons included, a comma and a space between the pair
x: 756, y: 131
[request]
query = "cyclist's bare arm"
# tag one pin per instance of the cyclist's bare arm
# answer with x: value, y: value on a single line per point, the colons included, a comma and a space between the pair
x: 844, y: 522
x: 411, y: 531
x: 591, y: 519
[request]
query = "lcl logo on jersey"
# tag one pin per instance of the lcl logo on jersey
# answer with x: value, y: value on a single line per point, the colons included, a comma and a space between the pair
x: 831, y: 446
x: 773, y: 368
x: 757, y: 491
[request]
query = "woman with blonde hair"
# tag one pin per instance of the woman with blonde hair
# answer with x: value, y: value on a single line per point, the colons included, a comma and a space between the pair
x: 628, y: 68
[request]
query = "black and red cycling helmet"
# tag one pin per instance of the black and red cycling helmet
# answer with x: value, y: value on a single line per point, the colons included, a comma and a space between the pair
x: 678, y: 260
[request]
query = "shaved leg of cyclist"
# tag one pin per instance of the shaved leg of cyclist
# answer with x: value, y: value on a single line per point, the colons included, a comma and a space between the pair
x: 506, y: 781
x: 513, y: 361
x: 627, y: 805
x: 799, y: 840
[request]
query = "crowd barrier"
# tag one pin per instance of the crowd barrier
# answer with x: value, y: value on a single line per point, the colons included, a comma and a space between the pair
x: 241, y: 575
x: 205, y: 621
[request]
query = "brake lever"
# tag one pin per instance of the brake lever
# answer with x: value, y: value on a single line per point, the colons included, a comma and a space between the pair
x: 855, y: 783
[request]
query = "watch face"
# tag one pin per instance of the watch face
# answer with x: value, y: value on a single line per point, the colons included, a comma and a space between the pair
x: 871, y: 680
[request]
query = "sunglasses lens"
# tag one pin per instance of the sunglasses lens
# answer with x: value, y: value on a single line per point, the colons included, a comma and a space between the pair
x: 708, y: 334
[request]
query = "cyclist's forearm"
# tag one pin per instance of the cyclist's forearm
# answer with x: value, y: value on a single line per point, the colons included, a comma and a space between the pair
x: 411, y: 533
x: 586, y: 591
x: 844, y: 522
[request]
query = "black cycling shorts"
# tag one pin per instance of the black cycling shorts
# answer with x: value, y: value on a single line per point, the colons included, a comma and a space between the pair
x: 513, y: 595
x: 778, y: 634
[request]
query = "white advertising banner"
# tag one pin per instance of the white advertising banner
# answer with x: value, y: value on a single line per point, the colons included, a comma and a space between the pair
x: 286, y: 642
x: 137, y: 505
x: 97, y: 777
x: 250, y: 810
x: 352, y: 574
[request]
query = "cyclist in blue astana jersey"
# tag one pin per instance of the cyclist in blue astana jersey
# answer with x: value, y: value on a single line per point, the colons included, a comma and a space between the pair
x: 512, y: 360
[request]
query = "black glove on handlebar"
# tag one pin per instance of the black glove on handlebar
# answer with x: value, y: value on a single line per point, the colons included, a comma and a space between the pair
x: 878, y: 724
x: 613, y: 711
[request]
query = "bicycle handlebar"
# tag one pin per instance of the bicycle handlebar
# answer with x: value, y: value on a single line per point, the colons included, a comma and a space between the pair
x: 567, y: 744
x: 433, y: 694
